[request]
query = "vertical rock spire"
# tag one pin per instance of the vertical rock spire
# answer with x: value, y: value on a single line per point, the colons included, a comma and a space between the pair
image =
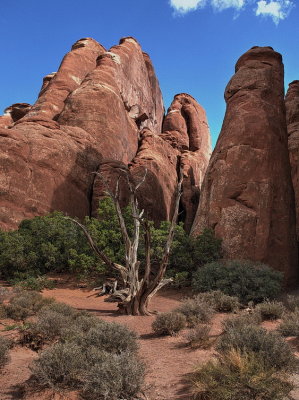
x: 247, y: 195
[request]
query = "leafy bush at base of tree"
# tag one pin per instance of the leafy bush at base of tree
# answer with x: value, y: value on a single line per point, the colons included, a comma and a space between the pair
x: 240, y: 376
x: 169, y: 323
x: 247, y: 280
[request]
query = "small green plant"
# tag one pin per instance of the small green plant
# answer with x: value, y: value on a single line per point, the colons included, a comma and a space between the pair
x: 169, y: 323
x: 5, y: 345
x: 269, y: 346
x: 35, y: 283
x: 199, y: 336
x: 236, y: 375
x: 196, y: 311
x: 290, y: 324
x: 219, y: 301
x: 270, y: 310
x: 117, y: 376
x: 247, y: 280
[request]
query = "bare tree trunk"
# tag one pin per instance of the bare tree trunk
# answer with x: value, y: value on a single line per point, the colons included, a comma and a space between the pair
x: 140, y: 291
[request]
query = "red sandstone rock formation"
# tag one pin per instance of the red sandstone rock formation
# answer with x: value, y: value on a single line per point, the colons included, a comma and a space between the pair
x: 99, y: 105
x: 292, y: 109
x: 247, y: 194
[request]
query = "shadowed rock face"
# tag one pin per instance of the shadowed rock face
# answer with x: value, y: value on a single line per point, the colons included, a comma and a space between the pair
x: 247, y: 194
x: 292, y: 109
x: 99, y: 105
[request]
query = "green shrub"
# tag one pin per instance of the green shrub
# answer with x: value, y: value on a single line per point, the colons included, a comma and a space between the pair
x: 269, y: 346
x: 199, y: 336
x: 292, y: 302
x: 270, y: 310
x: 35, y: 283
x: 290, y: 324
x: 118, y: 376
x: 219, y: 301
x: 247, y: 280
x: 62, y: 365
x: 240, y: 376
x: 5, y: 294
x: 110, y: 337
x: 242, y: 320
x: 196, y: 310
x: 25, y: 304
x: 169, y: 323
x: 5, y: 344
x: 60, y: 308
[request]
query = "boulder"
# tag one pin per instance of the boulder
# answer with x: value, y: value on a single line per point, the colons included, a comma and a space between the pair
x: 247, y: 195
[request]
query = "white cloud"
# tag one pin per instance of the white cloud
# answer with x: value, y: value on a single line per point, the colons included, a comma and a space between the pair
x: 277, y: 10
x: 223, y: 4
x: 184, y: 6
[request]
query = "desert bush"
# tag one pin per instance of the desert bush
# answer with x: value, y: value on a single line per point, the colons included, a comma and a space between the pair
x: 196, y: 310
x: 242, y: 320
x: 118, y: 376
x: 292, y: 302
x: 5, y: 344
x: 199, y: 336
x: 60, y: 308
x: 219, y: 301
x: 270, y: 310
x: 169, y: 323
x: 247, y: 280
x: 108, y: 336
x: 269, y: 346
x: 61, y: 365
x: 3, y: 313
x: 34, y: 283
x: 239, y: 376
x: 5, y: 294
x: 24, y: 304
x: 290, y: 324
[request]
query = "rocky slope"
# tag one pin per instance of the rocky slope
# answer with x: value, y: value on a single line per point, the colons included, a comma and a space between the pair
x: 99, y: 107
x: 247, y: 195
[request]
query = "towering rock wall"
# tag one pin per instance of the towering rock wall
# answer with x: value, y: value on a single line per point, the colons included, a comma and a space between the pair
x: 99, y: 106
x: 185, y: 139
x: 247, y: 194
x: 292, y: 109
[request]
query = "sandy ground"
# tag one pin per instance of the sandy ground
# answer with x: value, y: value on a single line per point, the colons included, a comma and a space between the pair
x: 169, y: 362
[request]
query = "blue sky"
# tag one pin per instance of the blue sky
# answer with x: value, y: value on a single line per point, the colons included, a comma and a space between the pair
x: 194, y: 44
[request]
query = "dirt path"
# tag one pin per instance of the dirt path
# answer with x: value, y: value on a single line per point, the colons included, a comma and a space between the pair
x: 168, y: 360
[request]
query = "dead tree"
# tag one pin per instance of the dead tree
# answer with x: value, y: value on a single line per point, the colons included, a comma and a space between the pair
x: 139, y: 290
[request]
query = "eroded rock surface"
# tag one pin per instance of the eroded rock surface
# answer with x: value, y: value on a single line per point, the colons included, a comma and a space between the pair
x: 247, y: 195
x: 100, y: 110
x: 292, y: 109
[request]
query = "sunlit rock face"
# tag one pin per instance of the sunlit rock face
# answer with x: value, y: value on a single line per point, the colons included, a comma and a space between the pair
x: 292, y: 112
x: 247, y: 195
x: 100, y: 109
